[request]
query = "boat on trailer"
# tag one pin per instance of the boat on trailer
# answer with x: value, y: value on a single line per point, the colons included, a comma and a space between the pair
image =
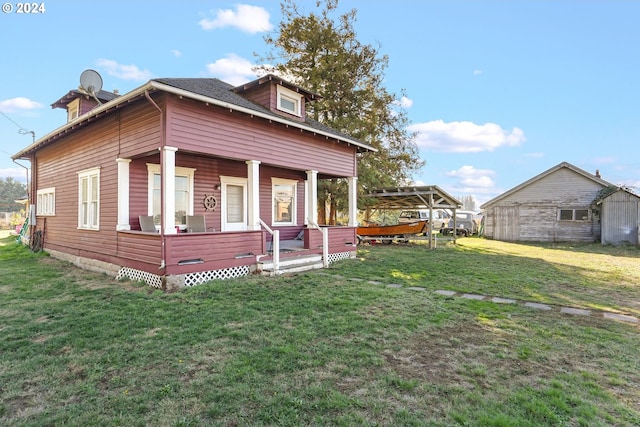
x: 389, y: 233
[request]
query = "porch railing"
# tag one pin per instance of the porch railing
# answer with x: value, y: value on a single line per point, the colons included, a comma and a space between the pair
x: 275, y: 245
x: 325, y: 241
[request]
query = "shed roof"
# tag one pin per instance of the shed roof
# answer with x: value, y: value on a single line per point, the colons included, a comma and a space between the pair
x: 413, y: 197
x: 212, y: 91
x: 617, y: 190
x: 548, y: 172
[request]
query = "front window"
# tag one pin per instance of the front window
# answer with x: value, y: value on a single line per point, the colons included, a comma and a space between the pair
x: 284, y: 201
x: 46, y: 203
x: 574, y: 214
x: 183, y: 193
x: 89, y: 199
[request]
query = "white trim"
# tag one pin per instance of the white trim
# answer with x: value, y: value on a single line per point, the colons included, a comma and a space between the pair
x: 154, y: 169
x: 46, y: 202
x: 123, y: 194
x: 253, y: 196
x: 294, y: 202
x: 89, y: 210
x: 311, y: 197
x: 235, y: 181
x: 73, y: 110
x: 291, y: 96
x: 353, y: 201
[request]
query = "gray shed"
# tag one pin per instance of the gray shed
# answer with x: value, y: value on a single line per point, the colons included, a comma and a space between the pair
x: 620, y: 216
x: 557, y: 205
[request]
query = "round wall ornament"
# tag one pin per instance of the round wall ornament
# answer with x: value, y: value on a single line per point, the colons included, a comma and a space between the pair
x: 210, y: 202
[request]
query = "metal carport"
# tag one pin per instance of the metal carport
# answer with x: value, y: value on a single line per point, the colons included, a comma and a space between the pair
x: 415, y: 197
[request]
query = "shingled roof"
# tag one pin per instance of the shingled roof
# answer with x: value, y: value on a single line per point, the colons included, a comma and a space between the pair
x: 210, y: 90
x: 222, y: 91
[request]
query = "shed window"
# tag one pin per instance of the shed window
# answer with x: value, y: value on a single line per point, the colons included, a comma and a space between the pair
x: 46, y: 203
x: 574, y: 214
x: 89, y: 199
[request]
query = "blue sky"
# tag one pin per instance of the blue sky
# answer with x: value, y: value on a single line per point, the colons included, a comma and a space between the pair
x: 498, y: 91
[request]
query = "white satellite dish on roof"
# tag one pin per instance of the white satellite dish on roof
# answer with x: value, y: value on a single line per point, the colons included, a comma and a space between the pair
x: 91, y: 83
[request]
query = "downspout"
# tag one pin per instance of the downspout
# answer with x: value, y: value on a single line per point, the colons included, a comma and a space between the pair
x: 162, y: 178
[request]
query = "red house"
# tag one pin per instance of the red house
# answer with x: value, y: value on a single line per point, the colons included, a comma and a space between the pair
x: 181, y: 181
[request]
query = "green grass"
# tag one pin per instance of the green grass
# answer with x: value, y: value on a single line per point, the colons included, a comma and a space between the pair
x: 78, y: 348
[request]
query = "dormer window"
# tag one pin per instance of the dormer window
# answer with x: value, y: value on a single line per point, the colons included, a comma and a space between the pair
x: 73, y: 109
x: 289, y: 101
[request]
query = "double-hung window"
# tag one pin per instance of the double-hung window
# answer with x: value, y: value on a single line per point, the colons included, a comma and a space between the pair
x: 284, y: 201
x: 89, y: 199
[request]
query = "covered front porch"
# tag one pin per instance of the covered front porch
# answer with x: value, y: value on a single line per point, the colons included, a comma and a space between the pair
x: 172, y: 261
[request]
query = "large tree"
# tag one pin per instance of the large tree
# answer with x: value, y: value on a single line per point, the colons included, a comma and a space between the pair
x: 10, y: 191
x: 324, y: 55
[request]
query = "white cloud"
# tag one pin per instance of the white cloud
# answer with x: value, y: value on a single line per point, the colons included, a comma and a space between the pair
x: 477, y: 72
x: 19, y: 103
x: 464, y: 137
x: 472, y: 179
x: 124, y: 72
x: 18, y: 174
x: 248, y: 19
x: 176, y: 53
x: 404, y: 102
x: 232, y: 69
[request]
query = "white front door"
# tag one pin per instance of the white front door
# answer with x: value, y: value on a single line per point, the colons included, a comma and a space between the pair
x: 234, y: 203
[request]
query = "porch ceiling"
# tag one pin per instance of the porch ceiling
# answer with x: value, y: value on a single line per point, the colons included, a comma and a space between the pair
x: 423, y: 197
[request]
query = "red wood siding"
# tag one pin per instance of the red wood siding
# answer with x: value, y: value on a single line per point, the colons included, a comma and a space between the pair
x: 138, y: 129
x: 216, y: 250
x: 193, y: 126
x: 58, y: 166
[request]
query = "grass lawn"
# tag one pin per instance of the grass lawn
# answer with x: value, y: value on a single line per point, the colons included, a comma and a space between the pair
x: 328, y: 347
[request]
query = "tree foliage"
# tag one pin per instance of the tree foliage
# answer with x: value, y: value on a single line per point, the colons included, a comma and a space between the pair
x: 10, y: 191
x: 324, y: 56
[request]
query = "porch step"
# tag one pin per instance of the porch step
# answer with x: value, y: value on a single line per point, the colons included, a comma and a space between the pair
x: 292, y: 264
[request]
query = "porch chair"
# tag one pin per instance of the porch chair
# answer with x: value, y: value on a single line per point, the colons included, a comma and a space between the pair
x: 146, y: 223
x: 195, y: 224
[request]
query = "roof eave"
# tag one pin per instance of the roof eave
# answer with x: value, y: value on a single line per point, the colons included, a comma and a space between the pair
x: 155, y: 85
x: 114, y: 103
x: 185, y: 93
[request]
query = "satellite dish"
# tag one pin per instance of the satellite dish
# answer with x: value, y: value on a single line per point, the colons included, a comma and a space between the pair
x: 91, y: 82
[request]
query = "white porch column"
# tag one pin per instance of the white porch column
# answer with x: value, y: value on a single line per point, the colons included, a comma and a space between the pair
x: 123, y: 194
x: 169, y: 189
x: 253, y: 196
x: 353, y: 201
x: 311, y: 203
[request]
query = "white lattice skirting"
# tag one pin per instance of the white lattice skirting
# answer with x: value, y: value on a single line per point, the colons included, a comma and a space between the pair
x: 132, y: 274
x: 198, y: 278
x: 340, y: 256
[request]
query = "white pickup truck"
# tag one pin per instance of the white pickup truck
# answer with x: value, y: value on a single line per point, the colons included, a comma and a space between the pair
x: 440, y: 217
